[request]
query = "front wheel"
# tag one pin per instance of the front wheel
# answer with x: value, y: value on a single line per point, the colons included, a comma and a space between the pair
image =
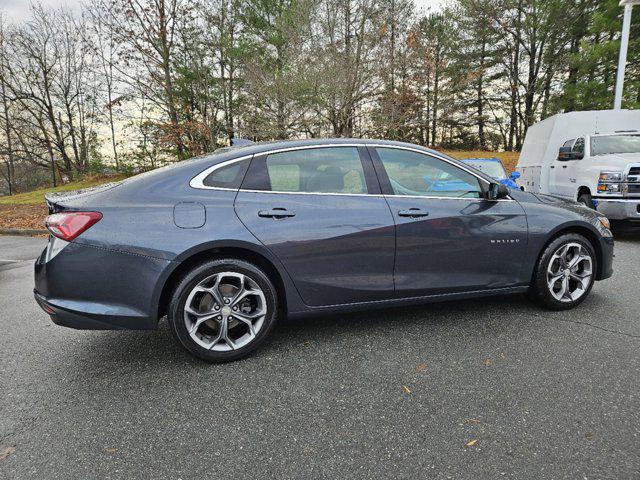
x: 565, y: 273
x: 223, y: 309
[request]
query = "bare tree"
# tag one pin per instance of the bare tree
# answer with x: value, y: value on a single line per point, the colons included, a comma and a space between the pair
x: 6, y: 117
x: 106, y: 48
x: 146, y: 32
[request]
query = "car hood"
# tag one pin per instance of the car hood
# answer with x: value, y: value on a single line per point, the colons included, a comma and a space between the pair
x: 557, y: 202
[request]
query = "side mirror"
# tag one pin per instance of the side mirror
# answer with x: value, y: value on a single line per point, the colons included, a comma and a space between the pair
x: 497, y: 191
x: 565, y: 154
x: 515, y: 175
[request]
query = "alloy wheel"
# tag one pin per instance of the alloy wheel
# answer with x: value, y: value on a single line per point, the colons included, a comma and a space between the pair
x: 225, y: 311
x: 569, y: 272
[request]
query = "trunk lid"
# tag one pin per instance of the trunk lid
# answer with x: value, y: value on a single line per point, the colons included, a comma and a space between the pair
x: 74, y: 199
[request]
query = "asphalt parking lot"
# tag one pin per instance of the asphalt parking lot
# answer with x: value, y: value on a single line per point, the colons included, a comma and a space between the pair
x: 492, y: 388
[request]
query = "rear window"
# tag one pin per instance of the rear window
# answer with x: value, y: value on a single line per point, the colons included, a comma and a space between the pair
x: 229, y: 176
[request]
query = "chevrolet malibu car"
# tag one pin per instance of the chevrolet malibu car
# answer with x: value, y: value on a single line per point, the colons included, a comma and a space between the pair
x: 225, y: 244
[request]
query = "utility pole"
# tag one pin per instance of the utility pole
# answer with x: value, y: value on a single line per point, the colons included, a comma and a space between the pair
x: 624, y: 45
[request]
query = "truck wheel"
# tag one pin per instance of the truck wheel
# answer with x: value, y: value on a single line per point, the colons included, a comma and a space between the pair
x: 565, y: 273
x: 586, y: 200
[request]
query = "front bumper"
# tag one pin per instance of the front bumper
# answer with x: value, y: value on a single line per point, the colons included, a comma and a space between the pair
x: 95, y: 288
x: 619, y: 208
x: 605, y: 269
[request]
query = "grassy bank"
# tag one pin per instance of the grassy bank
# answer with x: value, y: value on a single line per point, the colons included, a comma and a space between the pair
x: 28, y: 210
x: 37, y: 196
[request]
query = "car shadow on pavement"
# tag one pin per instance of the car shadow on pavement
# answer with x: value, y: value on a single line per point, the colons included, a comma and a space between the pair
x: 476, y: 317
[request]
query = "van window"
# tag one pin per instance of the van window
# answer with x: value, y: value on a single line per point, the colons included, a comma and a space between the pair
x: 578, y: 147
x: 569, y: 143
x: 608, y: 144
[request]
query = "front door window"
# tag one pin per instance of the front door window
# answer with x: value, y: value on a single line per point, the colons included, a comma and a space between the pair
x: 417, y: 174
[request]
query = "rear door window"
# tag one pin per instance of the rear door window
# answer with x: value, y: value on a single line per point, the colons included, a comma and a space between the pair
x: 315, y: 170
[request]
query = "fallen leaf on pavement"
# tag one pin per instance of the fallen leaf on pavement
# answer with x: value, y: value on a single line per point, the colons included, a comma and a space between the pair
x: 6, y: 452
x: 111, y: 450
x: 488, y: 361
x: 421, y: 368
x: 588, y: 435
x: 471, y: 443
x: 406, y: 389
x: 475, y: 421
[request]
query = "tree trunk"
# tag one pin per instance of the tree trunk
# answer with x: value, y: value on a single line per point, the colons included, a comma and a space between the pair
x: 480, y: 110
x: 436, y: 87
x: 7, y: 131
x: 515, y: 58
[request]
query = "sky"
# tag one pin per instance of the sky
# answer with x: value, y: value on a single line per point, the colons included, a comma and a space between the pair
x: 18, y: 10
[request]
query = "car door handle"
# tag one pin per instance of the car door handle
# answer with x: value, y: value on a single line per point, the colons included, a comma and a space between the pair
x: 276, y: 213
x: 564, y: 166
x: 552, y: 166
x: 413, y: 213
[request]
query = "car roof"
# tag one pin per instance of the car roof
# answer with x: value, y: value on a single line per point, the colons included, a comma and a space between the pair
x: 261, y: 147
x: 491, y: 159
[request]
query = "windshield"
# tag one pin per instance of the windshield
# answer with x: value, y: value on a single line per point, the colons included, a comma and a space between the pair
x: 607, y: 144
x: 493, y: 169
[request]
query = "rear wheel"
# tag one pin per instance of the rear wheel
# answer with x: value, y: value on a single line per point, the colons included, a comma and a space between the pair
x: 223, y: 309
x: 565, y: 272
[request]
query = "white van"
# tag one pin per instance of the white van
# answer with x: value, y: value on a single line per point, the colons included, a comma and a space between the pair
x: 592, y: 157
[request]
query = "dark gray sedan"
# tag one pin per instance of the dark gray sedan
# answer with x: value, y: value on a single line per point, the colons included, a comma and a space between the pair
x: 225, y: 244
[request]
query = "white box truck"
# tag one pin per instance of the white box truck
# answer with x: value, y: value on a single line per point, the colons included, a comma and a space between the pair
x: 591, y: 157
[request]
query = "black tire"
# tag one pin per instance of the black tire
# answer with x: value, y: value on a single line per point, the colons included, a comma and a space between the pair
x: 176, y: 314
x: 539, y: 290
x: 586, y: 200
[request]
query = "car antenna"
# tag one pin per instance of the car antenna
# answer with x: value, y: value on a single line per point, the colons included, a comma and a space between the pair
x: 241, y: 142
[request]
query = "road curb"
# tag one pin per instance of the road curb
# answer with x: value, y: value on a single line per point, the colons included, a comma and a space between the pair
x: 26, y: 232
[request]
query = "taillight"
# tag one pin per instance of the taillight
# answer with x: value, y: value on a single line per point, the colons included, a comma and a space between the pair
x: 68, y: 225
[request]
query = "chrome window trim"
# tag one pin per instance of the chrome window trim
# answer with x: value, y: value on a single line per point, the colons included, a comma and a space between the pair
x: 380, y: 195
x: 197, y: 181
